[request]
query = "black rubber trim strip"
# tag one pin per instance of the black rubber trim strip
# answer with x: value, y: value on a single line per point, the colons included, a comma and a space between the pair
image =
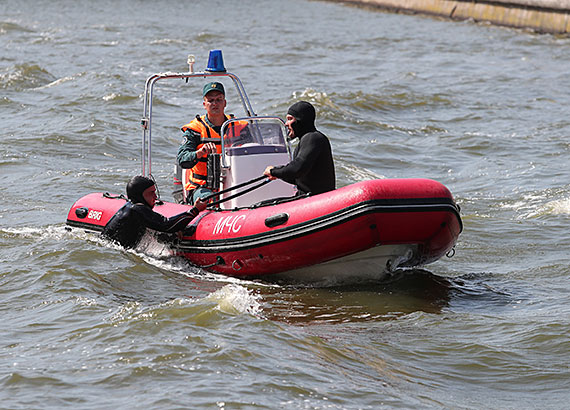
x: 321, y: 223
x: 85, y: 225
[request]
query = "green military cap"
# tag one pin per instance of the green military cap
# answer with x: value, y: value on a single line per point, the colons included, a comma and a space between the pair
x: 213, y: 87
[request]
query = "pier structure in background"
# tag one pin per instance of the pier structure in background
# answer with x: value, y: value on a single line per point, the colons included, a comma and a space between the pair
x: 545, y: 16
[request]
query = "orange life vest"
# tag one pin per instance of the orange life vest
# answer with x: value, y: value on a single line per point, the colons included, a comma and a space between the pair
x: 198, y: 175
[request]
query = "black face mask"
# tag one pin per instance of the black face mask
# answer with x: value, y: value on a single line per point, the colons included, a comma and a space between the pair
x: 305, y: 115
x: 135, y: 188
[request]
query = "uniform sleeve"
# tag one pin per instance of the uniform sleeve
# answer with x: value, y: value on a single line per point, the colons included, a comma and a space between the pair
x: 187, y: 157
x: 309, y: 149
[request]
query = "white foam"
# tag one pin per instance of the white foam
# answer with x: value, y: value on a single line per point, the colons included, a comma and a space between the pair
x: 558, y: 207
x: 150, y: 246
x: 358, y: 174
x: 60, y: 81
x: 310, y: 93
x: 47, y: 232
x: 534, y: 210
x: 233, y: 298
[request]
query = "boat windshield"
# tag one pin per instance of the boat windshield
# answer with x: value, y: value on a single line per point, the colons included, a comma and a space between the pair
x: 254, y: 135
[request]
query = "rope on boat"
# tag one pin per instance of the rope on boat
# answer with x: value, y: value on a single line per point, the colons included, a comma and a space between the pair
x: 233, y: 188
x: 219, y: 261
x: 108, y: 195
x: 245, y: 191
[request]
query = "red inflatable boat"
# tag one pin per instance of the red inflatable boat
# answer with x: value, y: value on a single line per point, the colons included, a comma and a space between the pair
x: 361, y: 230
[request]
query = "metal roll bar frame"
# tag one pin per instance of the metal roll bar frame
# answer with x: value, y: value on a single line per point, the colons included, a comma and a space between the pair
x: 146, y: 121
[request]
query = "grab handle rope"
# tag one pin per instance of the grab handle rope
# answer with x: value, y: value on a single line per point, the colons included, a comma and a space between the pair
x: 233, y: 188
x: 245, y: 191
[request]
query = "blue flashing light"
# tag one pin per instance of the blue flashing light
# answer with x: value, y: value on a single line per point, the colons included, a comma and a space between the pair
x: 216, y: 62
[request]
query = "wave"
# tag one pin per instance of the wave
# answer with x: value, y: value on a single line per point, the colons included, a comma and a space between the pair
x: 61, y: 81
x: 555, y: 207
x: 229, y: 296
x: 163, y: 41
x: 229, y: 300
x: 118, y: 98
x: 25, y: 76
x: 236, y: 299
x: 531, y: 205
x: 559, y: 207
x: 10, y: 27
x: 369, y: 112
x: 373, y: 102
x: 208, y: 38
x: 48, y: 232
x: 354, y: 173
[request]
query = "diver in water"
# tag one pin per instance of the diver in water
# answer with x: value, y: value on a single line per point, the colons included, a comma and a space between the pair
x: 312, y: 167
x: 129, y: 224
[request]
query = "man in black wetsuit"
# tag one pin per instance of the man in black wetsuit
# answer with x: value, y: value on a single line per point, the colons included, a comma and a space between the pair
x: 312, y: 167
x: 129, y: 224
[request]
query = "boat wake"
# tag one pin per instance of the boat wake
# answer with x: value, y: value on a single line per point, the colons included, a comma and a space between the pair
x: 228, y: 295
x: 398, y: 293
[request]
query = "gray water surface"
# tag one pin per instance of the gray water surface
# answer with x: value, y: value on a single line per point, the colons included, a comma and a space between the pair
x: 482, y: 109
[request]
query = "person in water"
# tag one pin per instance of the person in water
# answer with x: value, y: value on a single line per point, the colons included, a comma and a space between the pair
x: 312, y: 167
x: 129, y: 224
x: 202, y: 138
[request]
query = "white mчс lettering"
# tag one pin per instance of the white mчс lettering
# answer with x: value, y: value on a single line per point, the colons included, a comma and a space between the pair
x: 232, y: 223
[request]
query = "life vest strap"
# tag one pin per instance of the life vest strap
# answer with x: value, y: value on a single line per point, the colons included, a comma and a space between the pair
x: 205, y: 126
x: 216, y: 141
x: 200, y: 177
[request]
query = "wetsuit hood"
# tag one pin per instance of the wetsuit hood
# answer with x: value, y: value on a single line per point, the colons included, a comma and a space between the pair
x: 136, y: 187
x: 304, y: 113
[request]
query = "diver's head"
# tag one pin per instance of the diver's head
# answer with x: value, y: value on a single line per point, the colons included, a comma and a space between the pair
x: 141, y: 190
x: 300, y: 119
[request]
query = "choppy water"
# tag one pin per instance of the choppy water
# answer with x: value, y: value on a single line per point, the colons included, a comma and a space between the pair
x: 482, y: 109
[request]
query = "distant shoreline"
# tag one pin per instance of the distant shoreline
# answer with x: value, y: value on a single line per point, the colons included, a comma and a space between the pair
x: 544, y: 16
